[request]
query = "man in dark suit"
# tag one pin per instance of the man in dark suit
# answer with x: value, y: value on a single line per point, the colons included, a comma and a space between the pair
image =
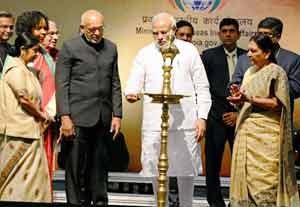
x: 288, y: 60
x: 6, y: 31
x: 90, y: 107
x: 219, y: 63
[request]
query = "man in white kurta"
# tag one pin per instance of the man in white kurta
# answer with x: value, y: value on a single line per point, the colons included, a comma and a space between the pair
x: 187, y: 119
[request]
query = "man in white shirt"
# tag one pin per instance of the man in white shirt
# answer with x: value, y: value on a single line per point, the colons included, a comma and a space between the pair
x: 187, y: 123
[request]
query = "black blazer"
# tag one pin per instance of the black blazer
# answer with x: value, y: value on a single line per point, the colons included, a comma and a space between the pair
x: 4, y: 49
x: 215, y: 63
x: 87, y: 82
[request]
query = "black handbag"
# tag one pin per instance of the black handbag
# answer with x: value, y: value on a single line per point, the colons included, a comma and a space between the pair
x: 118, y: 154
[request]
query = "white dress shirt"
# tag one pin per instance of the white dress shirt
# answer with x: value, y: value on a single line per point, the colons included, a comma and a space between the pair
x: 231, y: 61
x: 188, y: 77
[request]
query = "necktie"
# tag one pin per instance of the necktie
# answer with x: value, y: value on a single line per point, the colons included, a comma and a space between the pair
x: 231, y: 64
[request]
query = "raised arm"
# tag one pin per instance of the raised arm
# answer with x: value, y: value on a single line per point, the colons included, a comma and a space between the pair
x: 135, y: 82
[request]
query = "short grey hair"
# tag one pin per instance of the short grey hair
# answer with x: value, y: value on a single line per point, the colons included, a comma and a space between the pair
x: 165, y: 14
x: 88, y: 13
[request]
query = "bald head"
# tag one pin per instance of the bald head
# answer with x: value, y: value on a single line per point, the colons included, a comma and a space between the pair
x: 92, y: 22
x: 162, y: 25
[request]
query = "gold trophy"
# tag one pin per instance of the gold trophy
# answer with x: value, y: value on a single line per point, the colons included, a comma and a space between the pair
x: 168, y: 51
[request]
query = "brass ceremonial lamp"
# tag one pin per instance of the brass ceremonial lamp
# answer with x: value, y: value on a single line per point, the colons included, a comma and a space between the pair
x: 168, y: 51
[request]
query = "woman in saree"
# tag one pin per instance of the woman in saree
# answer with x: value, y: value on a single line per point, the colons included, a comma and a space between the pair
x: 36, y: 23
x: 262, y: 170
x: 24, y: 174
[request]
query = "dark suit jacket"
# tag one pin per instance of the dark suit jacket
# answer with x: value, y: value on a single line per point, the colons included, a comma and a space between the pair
x: 288, y: 60
x: 215, y: 63
x: 4, y: 48
x: 87, y: 82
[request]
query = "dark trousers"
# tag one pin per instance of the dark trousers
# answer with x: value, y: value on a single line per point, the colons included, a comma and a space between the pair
x: 86, y: 166
x: 216, y: 136
x: 173, y: 192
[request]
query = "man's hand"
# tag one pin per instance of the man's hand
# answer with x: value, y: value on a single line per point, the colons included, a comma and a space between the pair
x: 229, y: 118
x: 67, y: 129
x: 115, y: 126
x: 131, y: 98
x: 200, y: 129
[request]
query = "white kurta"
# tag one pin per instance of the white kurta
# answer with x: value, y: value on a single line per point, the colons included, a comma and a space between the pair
x: 188, y: 77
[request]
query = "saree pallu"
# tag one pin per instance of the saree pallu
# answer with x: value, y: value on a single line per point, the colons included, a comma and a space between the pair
x: 46, y: 66
x: 262, y: 170
x: 24, y: 174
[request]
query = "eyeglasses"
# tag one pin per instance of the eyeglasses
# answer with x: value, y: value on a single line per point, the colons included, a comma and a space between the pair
x: 270, y: 34
x: 94, y: 29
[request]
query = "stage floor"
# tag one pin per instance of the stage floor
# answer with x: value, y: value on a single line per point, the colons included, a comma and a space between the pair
x: 128, y: 189
x: 131, y: 189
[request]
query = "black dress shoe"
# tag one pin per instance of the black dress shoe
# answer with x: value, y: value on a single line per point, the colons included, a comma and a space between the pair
x: 217, y: 205
x: 101, y: 204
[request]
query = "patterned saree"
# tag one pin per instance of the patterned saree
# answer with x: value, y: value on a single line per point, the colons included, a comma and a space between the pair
x: 262, y: 171
x: 23, y: 170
